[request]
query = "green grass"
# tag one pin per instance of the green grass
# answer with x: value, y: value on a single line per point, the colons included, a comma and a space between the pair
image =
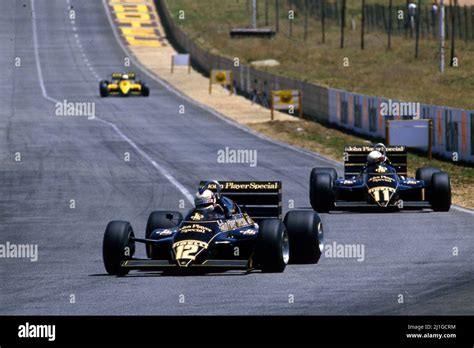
x: 375, y: 71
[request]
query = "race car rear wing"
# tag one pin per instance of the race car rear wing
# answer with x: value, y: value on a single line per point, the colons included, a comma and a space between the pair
x: 355, y: 158
x: 260, y: 199
x: 131, y: 75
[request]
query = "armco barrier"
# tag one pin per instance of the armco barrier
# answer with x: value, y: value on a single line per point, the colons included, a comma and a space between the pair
x: 453, y: 128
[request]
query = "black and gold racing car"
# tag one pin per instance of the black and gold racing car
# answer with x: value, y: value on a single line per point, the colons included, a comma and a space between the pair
x: 254, y: 236
x: 123, y: 84
x: 383, y: 185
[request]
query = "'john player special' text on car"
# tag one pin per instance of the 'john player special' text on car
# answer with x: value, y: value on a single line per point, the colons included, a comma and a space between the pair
x: 233, y: 225
x: 377, y: 176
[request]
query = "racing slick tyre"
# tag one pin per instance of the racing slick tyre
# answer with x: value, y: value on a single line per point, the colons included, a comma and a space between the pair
x: 320, y: 192
x: 273, y: 251
x: 305, y: 232
x: 158, y: 220
x: 145, y: 90
x: 117, y: 246
x: 331, y: 171
x: 440, y: 197
x: 103, y: 89
x: 426, y: 174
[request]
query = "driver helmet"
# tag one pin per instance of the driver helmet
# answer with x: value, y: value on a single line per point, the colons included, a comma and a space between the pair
x: 205, y: 201
x: 375, y: 157
x: 124, y: 77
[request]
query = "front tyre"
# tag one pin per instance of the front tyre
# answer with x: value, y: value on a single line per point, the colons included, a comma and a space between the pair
x: 145, y: 90
x: 321, y: 192
x: 117, y: 246
x: 273, y: 250
x: 103, y: 90
x: 440, y: 192
x: 305, y: 231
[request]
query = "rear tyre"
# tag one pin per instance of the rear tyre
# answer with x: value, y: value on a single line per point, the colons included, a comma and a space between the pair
x: 440, y: 192
x: 117, y: 246
x: 158, y: 220
x: 273, y: 251
x: 321, y: 192
x: 145, y: 90
x: 104, y: 92
x: 426, y: 173
x: 331, y: 171
x: 305, y: 231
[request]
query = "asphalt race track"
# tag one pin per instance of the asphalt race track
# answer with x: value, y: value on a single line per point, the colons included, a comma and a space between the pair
x: 74, y: 158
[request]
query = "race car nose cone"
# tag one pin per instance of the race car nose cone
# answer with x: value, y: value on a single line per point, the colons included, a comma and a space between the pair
x: 124, y: 86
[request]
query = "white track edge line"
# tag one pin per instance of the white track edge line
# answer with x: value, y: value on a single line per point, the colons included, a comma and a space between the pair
x: 158, y: 167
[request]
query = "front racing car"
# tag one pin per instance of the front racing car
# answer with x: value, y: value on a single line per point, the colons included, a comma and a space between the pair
x: 252, y: 236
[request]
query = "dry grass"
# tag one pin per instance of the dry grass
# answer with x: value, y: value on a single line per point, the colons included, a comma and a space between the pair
x: 374, y: 71
x: 330, y: 142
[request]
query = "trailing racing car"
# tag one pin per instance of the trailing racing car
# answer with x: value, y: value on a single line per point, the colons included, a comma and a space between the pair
x: 371, y: 179
x: 235, y: 225
x: 123, y: 84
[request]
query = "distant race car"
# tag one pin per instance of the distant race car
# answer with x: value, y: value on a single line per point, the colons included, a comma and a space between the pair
x: 248, y: 235
x: 123, y: 84
x: 376, y: 176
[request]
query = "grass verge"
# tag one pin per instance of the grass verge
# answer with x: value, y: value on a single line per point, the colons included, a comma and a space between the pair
x: 375, y: 70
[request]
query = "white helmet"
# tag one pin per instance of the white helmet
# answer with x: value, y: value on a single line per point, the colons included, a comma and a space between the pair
x: 375, y: 157
x: 124, y: 77
x: 205, y: 201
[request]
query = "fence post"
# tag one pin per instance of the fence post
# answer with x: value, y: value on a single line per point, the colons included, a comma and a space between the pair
x: 343, y: 21
x: 447, y: 12
x: 417, y: 14
x: 398, y: 21
x: 277, y: 17
x: 272, y: 105
x: 472, y: 22
x: 362, y: 26
x: 427, y: 22
x: 459, y: 19
x: 290, y: 25
x: 466, y: 26
x: 266, y: 12
x: 453, y: 32
x: 430, y: 139
x: 305, y: 19
x: 389, y: 44
x: 323, y: 15
x: 407, y: 20
x: 441, y: 21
